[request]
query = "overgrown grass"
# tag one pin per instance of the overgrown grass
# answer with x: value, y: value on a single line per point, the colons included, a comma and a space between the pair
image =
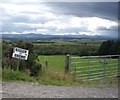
x: 9, y: 75
x: 48, y: 77
x: 56, y: 78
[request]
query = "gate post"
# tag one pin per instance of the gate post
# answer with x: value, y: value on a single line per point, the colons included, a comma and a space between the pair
x: 118, y: 66
x: 67, y: 60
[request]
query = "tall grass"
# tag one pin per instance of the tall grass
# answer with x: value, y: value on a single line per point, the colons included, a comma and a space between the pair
x: 49, y: 77
x: 9, y: 75
x: 55, y: 77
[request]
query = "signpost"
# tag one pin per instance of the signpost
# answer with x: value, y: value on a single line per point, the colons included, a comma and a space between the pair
x: 20, y: 53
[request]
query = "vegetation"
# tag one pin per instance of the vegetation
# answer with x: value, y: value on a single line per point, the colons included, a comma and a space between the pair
x: 8, y: 75
x: 58, y: 79
x: 13, y: 64
x: 54, y: 62
x: 67, y: 48
x: 109, y: 48
x: 46, y: 62
x: 30, y: 70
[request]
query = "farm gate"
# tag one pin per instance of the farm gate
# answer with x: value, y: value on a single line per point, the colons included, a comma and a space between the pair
x: 94, y: 67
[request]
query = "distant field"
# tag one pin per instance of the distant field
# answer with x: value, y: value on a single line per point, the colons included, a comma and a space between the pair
x: 69, y: 43
x: 57, y: 63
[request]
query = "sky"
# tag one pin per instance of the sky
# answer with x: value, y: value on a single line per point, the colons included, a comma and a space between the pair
x: 60, y: 18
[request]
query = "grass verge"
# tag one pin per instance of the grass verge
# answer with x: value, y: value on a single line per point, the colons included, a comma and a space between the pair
x: 48, y: 78
x: 55, y: 78
x: 9, y: 75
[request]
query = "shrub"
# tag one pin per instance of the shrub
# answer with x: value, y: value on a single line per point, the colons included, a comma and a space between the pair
x: 36, y: 70
x: 13, y: 63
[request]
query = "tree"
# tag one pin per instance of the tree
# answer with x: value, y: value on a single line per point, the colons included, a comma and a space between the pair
x: 30, y: 64
x: 115, y: 49
x: 105, y: 48
x: 84, y: 52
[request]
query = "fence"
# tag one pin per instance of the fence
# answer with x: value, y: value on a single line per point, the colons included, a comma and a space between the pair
x: 93, y: 67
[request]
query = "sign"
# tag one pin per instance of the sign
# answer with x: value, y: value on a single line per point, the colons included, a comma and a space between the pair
x: 20, y: 53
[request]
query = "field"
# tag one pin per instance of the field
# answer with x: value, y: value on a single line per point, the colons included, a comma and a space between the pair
x: 97, y: 43
x: 52, y: 57
x: 56, y: 63
x: 84, y: 68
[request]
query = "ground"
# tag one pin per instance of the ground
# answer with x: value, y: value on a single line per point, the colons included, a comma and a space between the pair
x: 34, y: 90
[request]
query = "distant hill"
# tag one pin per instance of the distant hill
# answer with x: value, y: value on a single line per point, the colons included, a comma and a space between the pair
x: 33, y: 36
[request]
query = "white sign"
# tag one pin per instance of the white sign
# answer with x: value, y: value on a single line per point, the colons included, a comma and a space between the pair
x: 20, y: 53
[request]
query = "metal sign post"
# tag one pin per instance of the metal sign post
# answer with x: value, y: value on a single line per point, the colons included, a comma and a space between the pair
x: 18, y: 63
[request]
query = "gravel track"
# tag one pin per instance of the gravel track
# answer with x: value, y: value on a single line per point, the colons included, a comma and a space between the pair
x: 30, y: 90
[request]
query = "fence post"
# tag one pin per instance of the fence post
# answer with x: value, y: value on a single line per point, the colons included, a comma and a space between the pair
x: 88, y: 73
x: 104, y: 68
x: 67, y: 63
x: 46, y: 64
x: 118, y: 66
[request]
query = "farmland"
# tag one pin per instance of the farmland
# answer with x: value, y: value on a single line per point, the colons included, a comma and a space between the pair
x: 54, y: 62
x: 51, y: 56
x: 96, y: 66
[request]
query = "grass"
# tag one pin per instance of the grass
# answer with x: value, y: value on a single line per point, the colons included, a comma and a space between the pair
x: 97, y: 43
x: 9, y: 75
x: 51, y: 78
x: 56, y: 63
x: 56, y: 43
x: 96, y: 65
x: 57, y: 78
x: 54, y: 74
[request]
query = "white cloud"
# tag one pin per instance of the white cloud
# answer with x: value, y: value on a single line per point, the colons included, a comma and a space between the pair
x: 54, y: 24
x: 92, y: 23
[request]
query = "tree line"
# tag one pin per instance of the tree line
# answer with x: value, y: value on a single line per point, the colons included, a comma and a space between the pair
x: 106, y: 48
x: 109, y: 48
x: 74, y: 49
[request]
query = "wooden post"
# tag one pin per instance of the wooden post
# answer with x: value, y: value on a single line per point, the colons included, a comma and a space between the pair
x: 18, y: 65
x: 46, y: 64
x: 118, y: 66
x: 67, y: 63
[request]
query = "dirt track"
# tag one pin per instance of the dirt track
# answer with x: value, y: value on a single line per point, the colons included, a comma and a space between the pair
x: 29, y: 90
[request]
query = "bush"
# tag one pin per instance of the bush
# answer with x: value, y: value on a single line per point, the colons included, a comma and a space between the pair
x: 36, y: 70
x: 13, y: 63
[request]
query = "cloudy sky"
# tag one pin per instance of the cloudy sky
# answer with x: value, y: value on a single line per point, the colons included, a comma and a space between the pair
x: 58, y: 18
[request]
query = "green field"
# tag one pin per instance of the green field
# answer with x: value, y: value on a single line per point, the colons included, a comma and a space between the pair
x: 81, y: 66
x: 56, y: 63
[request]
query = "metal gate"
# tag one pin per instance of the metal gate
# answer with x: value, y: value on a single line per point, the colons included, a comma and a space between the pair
x: 94, y: 67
